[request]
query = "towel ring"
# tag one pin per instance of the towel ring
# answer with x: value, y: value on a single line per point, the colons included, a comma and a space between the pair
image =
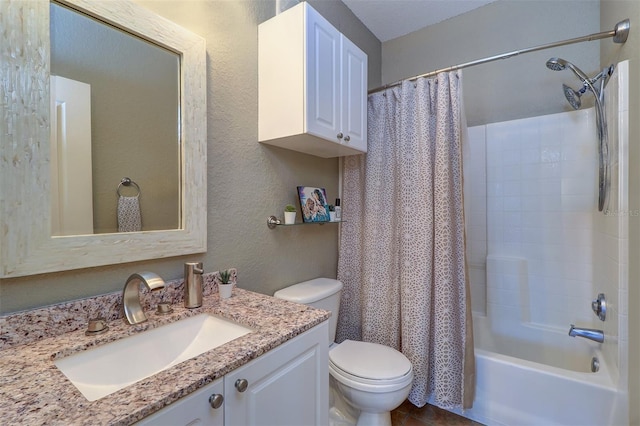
x: 127, y: 182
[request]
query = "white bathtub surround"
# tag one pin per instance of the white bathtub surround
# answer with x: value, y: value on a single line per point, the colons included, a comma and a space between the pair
x: 508, y: 293
x: 536, y: 378
x: 475, y: 207
x: 404, y: 230
x: 541, y: 193
x: 611, y: 273
x: 515, y: 391
x: 549, y: 252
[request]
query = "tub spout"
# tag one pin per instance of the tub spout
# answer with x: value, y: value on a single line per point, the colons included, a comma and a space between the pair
x: 587, y: 333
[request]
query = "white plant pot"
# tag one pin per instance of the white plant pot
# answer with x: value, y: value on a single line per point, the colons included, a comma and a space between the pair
x: 289, y: 218
x: 225, y: 290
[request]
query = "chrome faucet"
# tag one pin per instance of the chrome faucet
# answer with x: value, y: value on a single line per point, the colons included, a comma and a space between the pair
x: 131, y: 294
x: 587, y: 333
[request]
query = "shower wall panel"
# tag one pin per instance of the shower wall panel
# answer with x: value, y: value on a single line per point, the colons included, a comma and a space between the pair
x: 611, y: 269
x: 475, y: 207
x: 540, y: 206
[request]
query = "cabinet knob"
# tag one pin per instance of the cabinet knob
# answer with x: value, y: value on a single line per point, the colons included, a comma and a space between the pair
x: 241, y: 385
x: 340, y: 135
x: 347, y: 138
x: 216, y: 400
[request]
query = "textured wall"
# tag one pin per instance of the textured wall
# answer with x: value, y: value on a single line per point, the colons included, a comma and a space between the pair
x: 518, y: 87
x: 611, y: 12
x: 247, y: 181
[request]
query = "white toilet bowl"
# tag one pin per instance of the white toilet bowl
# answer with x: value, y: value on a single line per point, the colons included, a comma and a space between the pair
x: 367, y: 380
x: 373, y: 379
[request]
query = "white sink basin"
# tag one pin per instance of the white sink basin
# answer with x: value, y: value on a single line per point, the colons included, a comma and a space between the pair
x: 100, y: 371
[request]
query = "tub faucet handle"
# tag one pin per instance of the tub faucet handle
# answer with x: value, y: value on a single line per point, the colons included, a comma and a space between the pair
x: 599, y: 306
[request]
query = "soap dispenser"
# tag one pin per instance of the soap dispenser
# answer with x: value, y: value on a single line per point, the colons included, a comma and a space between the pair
x: 193, y: 284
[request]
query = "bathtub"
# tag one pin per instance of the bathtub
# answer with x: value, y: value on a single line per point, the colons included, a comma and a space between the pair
x: 519, y: 383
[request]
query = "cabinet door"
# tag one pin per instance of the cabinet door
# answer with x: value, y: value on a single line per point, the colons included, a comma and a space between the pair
x: 193, y: 409
x: 288, y: 386
x: 354, y: 95
x: 323, y: 77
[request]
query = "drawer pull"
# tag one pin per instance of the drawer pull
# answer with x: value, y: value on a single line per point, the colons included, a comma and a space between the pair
x: 241, y: 385
x: 216, y: 400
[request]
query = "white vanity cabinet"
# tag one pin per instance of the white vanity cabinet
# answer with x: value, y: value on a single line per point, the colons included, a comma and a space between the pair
x: 312, y: 84
x: 289, y: 385
x: 202, y: 407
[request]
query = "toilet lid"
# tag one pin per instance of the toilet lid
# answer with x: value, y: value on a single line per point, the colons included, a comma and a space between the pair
x: 369, y: 360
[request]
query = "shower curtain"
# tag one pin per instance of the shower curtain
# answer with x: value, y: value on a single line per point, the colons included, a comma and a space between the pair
x: 402, y: 254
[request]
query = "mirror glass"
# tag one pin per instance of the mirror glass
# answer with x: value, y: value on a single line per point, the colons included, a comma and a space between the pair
x: 160, y: 143
x: 115, y: 105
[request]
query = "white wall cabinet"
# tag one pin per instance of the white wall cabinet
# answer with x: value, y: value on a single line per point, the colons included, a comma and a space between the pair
x: 288, y: 385
x: 312, y: 86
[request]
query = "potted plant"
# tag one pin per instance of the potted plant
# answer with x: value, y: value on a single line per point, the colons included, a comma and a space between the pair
x: 332, y: 213
x: 225, y: 286
x: 289, y: 214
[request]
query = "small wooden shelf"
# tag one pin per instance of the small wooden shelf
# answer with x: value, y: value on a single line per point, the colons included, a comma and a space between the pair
x: 273, y: 221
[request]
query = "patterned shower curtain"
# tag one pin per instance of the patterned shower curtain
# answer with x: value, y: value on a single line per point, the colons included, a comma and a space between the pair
x: 402, y: 248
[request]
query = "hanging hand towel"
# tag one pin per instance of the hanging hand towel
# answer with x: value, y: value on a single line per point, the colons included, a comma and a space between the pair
x: 129, y: 218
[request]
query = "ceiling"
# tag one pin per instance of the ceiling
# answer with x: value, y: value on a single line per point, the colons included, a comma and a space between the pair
x: 388, y: 19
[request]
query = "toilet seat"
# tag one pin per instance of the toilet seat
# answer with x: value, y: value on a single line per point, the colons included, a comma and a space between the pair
x: 369, y: 385
x: 369, y: 366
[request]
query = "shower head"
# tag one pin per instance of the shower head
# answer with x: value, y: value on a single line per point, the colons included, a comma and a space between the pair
x: 558, y: 64
x: 604, y: 173
x: 573, y: 96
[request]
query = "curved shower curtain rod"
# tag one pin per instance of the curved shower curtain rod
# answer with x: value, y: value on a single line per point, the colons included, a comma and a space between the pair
x: 619, y: 34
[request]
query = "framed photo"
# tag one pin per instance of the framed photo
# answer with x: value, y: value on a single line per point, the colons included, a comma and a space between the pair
x: 313, y: 204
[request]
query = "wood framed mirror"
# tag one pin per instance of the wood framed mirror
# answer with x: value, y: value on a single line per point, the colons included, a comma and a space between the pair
x: 27, y: 246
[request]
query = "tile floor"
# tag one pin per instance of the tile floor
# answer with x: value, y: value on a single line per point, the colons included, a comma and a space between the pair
x: 410, y: 415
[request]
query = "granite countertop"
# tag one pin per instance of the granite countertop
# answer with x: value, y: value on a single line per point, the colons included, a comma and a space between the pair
x: 34, y: 391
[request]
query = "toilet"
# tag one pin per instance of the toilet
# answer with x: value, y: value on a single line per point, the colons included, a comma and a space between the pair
x: 367, y: 380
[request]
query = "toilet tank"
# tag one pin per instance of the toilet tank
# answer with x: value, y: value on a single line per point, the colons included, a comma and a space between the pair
x: 321, y: 293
